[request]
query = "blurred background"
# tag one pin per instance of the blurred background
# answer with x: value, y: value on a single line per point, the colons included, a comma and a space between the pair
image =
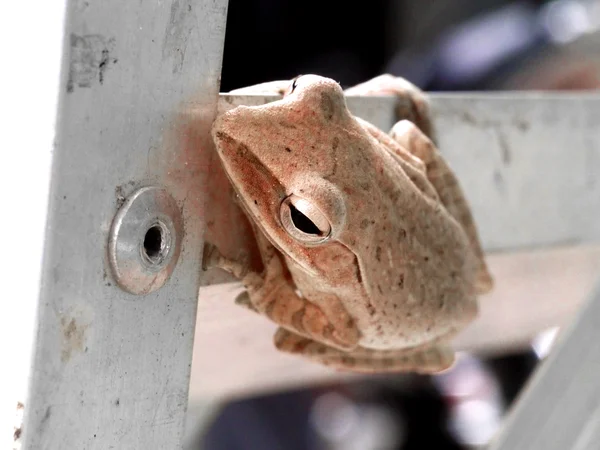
x: 442, y: 45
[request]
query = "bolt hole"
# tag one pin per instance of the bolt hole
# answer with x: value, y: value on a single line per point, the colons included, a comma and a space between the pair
x: 154, y: 244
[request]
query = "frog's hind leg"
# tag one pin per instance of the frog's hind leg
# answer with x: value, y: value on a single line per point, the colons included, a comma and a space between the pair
x: 447, y: 186
x: 433, y: 359
x: 416, y: 109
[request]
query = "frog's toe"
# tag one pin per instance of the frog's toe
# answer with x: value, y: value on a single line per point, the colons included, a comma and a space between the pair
x: 244, y: 301
x: 210, y: 256
x: 433, y: 360
x: 485, y: 281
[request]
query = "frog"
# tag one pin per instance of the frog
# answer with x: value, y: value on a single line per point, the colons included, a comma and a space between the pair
x: 371, y: 257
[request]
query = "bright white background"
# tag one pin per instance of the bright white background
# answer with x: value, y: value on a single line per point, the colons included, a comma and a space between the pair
x: 30, y: 52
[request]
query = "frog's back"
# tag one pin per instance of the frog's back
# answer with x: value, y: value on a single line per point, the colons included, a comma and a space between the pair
x: 418, y: 268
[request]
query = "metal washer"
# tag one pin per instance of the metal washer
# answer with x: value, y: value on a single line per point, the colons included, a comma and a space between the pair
x: 145, y: 240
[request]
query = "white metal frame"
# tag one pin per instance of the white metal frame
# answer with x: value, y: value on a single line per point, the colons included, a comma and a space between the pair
x: 111, y: 369
x: 139, y: 89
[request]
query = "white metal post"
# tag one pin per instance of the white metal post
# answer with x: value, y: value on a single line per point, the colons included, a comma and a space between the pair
x: 139, y: 88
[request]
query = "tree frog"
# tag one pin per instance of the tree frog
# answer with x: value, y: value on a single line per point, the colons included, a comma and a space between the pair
x: 372, y: 260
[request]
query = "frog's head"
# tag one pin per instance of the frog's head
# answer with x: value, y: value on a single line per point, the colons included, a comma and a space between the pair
x: 283, y: 161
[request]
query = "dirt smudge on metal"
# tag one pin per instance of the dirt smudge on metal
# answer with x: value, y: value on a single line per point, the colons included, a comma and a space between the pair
x: 89, y: 60
x: 73, y: 334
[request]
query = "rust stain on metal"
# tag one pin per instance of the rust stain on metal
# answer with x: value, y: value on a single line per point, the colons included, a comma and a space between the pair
x: 18, y: 426
x: 227, y: 226
x: 195, y: 175
x: 73, y: 334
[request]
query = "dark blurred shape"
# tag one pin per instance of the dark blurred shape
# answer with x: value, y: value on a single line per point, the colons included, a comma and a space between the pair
x: 516, y: 46
x: 361, y: 415
x: 425, y: 415
x: 450, y: 45
x: 513, y: 371
x: 342, y: 422
x: 474, y: 399
x: 270, y: 422
x: 273, y: 40
x: 471, y: 54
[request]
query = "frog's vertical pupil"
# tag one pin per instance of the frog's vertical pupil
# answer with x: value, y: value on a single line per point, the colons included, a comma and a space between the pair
x: 303, y: 223
x: 295, y: 83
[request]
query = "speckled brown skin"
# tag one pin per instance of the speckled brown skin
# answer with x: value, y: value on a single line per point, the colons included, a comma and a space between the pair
x: 402, y: 269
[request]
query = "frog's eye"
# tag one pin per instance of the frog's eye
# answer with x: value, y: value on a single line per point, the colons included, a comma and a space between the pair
x: 292, y: 87
x: 303, y: 220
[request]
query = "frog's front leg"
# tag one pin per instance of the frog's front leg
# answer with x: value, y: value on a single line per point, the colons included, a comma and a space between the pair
x: 273, y: 294
x: 433, y: 358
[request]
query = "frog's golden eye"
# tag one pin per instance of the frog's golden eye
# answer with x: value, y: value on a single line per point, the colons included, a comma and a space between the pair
x: 304, y: 221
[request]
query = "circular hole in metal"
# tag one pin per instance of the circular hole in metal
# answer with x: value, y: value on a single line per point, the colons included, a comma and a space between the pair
x: 156, y: 244
x: 153, y: 242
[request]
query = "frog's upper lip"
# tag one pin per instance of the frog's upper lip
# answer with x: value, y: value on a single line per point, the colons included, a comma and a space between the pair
x: 249, y: 176
x: 237, y: 157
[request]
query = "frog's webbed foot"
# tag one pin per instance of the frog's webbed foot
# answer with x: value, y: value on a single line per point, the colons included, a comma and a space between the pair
x: 244, y: 301
x: 426, y: 360
x: 212, y: 257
